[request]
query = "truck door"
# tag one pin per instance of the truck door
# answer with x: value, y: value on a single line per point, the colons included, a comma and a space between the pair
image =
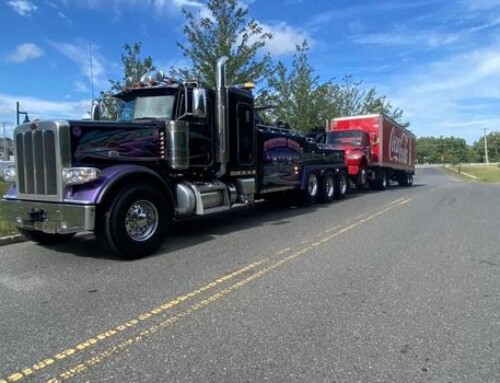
x: 245, y: 134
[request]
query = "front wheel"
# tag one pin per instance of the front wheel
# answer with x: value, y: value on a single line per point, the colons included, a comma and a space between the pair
x: 361, y: 177
x: 136, y: 222
x: 341, y: 182
x: 45, y: 238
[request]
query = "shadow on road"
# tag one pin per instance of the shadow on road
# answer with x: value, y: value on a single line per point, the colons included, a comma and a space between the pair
x: 194, y: 231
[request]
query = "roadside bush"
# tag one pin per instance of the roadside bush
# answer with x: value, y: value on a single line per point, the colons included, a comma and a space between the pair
x: 6, y: 228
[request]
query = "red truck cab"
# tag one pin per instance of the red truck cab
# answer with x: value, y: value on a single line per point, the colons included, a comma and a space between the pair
x: 358, y: 152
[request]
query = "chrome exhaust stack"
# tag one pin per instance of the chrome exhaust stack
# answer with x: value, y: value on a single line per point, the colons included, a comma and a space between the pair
x: 222, y: 149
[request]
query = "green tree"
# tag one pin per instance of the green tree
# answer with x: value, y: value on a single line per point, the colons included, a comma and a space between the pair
x: 133, y: 69
x: 349, y: 99
x: 298, y: 96
x: 306, y: 103
x: 443, y: 149
x: 493, y: 141
x: 228, y: 31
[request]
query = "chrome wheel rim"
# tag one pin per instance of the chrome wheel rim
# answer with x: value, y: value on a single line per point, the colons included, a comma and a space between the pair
x: 364, y: 176
x: 329, y: 186
x: 141, y: 220
x: 312, y: 185
x: 343, y: 184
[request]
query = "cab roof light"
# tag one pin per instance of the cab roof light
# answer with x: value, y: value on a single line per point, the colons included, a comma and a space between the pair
x: 245, y: 85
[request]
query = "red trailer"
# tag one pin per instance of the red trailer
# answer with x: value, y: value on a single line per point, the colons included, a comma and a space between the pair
x: 377, y: 149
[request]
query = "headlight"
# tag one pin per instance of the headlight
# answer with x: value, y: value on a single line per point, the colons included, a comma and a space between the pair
x: 9, y: 174
x: 77, y: 176
x: 354, y: 156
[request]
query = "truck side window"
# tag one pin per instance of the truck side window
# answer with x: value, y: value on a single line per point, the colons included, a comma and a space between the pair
x: 245, y: 131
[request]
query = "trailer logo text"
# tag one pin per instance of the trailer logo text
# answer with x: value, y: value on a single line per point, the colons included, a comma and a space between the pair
x: 399, y: 146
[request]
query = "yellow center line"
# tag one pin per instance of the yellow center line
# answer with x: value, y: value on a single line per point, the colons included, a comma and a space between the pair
x: 169, y: 322
x: 40, y: 365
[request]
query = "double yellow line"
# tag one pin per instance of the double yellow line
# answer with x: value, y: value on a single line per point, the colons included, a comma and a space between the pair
x: 267, y: 265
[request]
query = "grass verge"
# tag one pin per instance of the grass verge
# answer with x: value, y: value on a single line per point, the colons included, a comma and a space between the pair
x: 483, y: 173
x: 6, y: 228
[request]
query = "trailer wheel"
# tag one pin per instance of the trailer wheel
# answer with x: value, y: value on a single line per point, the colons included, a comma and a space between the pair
x: 45, y: 238
x: 135, y: 223
x: 341, y: 185
x: 381, y: 182
x: 328, y: 189
x: 311, y: 191
x: 403, y: 179
x: 410, y: 179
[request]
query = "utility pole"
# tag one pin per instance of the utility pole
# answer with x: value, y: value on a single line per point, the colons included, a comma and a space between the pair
x: 486, y: 148
x: 18, y: 112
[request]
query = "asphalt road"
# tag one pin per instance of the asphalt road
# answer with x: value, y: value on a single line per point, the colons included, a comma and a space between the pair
x: 394, y: 286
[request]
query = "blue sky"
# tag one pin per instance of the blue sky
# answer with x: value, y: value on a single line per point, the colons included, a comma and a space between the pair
x: 439, y: 61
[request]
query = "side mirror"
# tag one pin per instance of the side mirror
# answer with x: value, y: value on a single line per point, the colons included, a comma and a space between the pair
x: 199, y: 102
x: 96, y: 112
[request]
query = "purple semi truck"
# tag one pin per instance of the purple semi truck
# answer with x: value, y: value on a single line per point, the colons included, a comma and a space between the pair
x: 176, y: 150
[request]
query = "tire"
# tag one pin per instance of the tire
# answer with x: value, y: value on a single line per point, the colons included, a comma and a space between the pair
x: 341, y: 185
x: 328, y: 187
x: 45, y: 238
x: 135, y: 223
x: 403, y: 179
x: 410, y: 179
x: 361, y: 177
x: 381, y: 182
x: 311, y: 192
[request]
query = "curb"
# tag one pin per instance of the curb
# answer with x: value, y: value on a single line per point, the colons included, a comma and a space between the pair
x: 10, y: 239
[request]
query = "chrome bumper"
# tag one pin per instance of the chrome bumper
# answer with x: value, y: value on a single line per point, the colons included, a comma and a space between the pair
x: 49, y: 217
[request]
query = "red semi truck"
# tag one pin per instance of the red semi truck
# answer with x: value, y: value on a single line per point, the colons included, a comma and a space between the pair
x: 377, y: 149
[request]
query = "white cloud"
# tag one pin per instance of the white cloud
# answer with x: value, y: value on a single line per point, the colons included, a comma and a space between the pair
x: 482, y: 4
x: 25, y: 52
x: 81, y: 87
x: 65, y: 18
x: 285, y: 38
x: 80, y: 55
x: 22, y: 7
x: 159, y: 7
x: 40, y: 109
x: 455, y: 96
x: 178, y: 3
x: 402, y: 38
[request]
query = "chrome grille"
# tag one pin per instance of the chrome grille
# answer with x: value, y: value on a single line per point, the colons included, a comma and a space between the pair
x: 38, y: 160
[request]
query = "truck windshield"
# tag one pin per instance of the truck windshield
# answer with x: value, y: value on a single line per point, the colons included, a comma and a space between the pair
x: 339, y: 138
x: 149, y: 107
